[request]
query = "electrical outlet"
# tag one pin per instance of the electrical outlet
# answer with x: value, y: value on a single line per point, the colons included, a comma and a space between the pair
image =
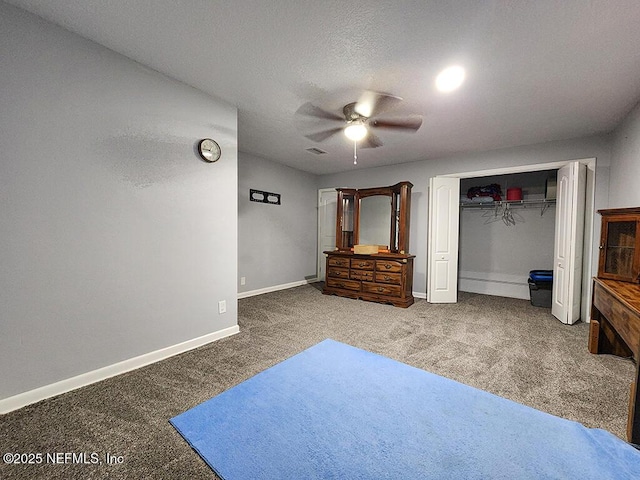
x: 222, y: 306
x: 243, y: 280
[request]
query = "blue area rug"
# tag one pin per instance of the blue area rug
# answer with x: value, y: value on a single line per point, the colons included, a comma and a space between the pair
x: 338, y: 412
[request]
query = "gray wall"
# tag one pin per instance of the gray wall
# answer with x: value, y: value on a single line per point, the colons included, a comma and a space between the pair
x: 276, y: 243
x: 419, y: 173
x: 116, y: 239
x: 625, y: 163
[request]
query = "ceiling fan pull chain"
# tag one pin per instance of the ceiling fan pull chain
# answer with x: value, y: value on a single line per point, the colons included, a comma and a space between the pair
x: 355, y: 153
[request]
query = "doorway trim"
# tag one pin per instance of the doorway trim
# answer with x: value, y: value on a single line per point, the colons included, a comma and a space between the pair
x: 320, y: 259
x: 589, y: 212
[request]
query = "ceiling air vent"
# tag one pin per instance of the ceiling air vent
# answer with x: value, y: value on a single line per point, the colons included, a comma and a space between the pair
x: 316, y: 151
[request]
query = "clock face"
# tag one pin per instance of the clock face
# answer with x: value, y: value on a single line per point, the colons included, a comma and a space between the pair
x: 209, y: 150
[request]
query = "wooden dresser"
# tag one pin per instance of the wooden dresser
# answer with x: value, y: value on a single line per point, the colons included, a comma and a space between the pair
x: 615, y: 312
x: 376, y: 221
x: 384, y: 278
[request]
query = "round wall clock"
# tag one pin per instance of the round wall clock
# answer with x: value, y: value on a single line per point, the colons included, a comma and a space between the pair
x: 209, y: 150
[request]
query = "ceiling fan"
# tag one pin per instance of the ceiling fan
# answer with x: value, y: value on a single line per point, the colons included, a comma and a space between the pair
x: 359, y: 119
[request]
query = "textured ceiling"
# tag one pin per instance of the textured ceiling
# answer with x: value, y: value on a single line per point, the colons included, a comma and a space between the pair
x: 537, y: 71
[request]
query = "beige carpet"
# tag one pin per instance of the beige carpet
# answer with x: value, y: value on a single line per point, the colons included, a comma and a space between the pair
x: 504, y: 346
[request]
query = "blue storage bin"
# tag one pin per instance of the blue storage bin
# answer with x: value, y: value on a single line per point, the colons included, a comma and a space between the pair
x: 541, y: 275
x: 541, y: 287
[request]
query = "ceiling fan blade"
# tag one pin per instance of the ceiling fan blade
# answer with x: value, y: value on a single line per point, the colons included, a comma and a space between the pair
x: 371, y: 103
x: 310, y: 110
x: 411, y: 123
x: 370, y: 141
x: 324, y: 134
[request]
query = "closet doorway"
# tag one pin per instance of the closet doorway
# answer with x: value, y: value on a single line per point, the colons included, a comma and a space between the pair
x: 502, y: 239
x: 496, y: 245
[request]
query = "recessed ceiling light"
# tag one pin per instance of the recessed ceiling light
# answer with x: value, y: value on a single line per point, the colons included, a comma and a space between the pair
x: 450, y: 78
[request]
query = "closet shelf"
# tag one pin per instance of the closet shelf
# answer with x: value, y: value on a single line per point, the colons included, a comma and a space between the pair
x: 504, y: 209
x: 511, y: 203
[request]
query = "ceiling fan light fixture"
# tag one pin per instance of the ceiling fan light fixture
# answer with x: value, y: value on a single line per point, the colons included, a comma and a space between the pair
x: 355, y: 131
x: 450, y: 78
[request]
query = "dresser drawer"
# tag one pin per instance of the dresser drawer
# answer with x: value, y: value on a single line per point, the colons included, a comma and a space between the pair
x: 362, y: 263
x: 384, y: 277
x: 338, y: 272
x: 382, y: 289
x: 338, y: 262
x: 389, y: 266
x: 366, y: 275
x: 343, y: 283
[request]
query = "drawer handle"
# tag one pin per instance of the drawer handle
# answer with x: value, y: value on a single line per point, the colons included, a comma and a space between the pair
x: 362, y: 264
x: 337, y: 274
x: 387, y: 265
x: 381, y: 289
x: 387, y: 277
x: 341, y: 285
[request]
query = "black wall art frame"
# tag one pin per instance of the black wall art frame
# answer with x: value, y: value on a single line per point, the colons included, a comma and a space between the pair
x: 261, y: 196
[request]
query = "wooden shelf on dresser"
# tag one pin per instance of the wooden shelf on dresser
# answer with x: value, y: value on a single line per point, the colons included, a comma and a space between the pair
x: 380, y: 277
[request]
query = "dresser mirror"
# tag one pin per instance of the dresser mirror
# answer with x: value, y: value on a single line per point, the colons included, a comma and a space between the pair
x: 374, y: 216
x: 375, y: 224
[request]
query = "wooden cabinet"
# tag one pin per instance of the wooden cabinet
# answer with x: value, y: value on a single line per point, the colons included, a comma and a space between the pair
x: 384, y: 278
x: 615, y: 311
x: 620, y: 245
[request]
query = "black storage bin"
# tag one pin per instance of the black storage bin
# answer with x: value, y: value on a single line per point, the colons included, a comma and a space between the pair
x: 540, y: 287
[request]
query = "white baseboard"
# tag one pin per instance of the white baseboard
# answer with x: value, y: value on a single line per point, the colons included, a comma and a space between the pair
x: 64, y: 386
x: 419, y: 294
x: 275, y: 288
x: 499, y: 284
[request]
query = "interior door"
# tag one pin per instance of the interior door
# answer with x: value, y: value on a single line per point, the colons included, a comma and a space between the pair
x: 444, y: 221
x: 569, y: 240
x: 327, y: 207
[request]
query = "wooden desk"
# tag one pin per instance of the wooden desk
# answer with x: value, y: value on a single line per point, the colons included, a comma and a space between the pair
x: 615, y: 329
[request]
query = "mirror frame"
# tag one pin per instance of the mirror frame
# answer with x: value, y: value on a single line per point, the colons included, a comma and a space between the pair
x: 400, y: 194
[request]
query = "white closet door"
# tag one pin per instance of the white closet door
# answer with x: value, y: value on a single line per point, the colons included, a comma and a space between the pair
x: 569, y: 238
x: 327, y: 207
x: 444, y: 220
